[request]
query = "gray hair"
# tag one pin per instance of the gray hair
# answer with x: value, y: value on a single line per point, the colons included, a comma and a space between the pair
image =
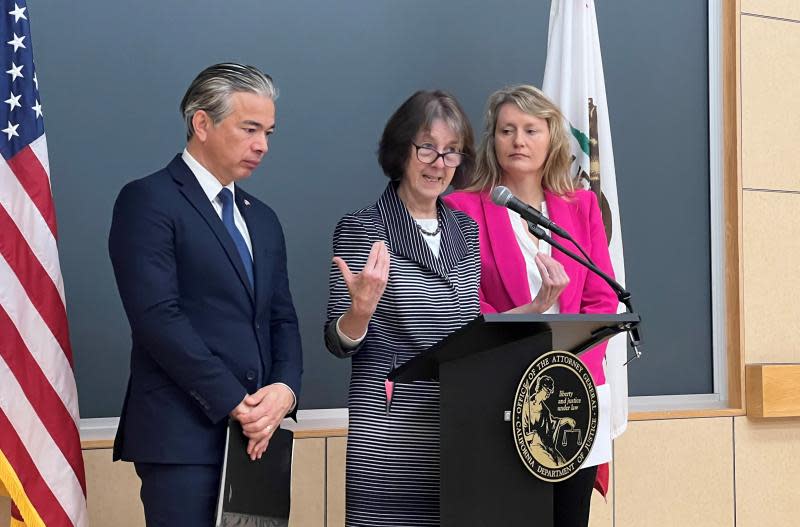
x: 211, y: 91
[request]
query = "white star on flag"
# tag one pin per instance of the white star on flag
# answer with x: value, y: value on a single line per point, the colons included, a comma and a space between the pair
x: 18, y: 12
x: 13, y: 101
x: 17, y: 42
x: 15, y: 71
x: 38, y: 109
x: 11, y: 130
x: 36, y: 81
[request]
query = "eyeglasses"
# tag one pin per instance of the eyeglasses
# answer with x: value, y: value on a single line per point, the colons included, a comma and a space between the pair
x: 429, y: 155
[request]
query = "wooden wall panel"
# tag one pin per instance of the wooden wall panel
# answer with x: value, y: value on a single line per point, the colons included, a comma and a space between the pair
x: 308, y: 483
x: 771, y: 278
x: 337, y: 452
x: 777, y: 8
x: 732, y: 199
x: 666, y: 472
x: 772, y: 390
x: 767, y: 472
x: 113, y: 491
x: 770, y: 114
x: 114, y: 488
x: 675, y: 472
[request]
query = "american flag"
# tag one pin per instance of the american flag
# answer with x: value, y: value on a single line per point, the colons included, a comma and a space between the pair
x: 41, y: 466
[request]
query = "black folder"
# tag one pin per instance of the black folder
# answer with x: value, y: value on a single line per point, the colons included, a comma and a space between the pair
x: 255, y: 493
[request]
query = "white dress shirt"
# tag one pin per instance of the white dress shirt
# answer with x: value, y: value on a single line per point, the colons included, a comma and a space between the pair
x: 212, y: 187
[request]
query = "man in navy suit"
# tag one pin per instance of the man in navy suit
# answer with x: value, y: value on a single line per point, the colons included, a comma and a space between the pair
x: 201, y: 270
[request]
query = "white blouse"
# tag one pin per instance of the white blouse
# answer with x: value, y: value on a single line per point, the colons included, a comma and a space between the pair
x: 431, y: 225
x: 529, y: 252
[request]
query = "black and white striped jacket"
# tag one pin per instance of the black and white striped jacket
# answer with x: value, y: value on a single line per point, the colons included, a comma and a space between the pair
x: 393, y: 460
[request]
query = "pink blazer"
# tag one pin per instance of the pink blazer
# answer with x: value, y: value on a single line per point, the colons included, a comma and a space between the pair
x: 504, y: 280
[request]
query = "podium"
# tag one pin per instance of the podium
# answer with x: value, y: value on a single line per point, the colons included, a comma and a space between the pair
x: 479, y: 367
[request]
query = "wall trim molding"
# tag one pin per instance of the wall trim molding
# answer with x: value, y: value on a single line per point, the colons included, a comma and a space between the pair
x: 99, y: 432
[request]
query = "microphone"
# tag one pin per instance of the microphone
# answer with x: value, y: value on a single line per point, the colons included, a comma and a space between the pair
x: 503, y: 197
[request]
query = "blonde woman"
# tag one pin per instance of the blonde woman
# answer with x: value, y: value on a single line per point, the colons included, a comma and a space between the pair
x: 525, y: 147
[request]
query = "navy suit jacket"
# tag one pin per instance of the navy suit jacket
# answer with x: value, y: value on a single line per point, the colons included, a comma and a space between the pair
x: 202, y: 337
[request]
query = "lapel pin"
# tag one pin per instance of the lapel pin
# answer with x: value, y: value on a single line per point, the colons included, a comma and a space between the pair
x: 246, y: 203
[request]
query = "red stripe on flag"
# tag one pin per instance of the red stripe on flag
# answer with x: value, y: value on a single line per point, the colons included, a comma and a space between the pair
x: 41, y: 290
x: 41, y: 395
x: 40, y: 495
x: 33, y: 178
x: 15, y: 514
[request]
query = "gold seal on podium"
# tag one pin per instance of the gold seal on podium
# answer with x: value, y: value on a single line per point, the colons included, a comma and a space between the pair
x: 554, y: 417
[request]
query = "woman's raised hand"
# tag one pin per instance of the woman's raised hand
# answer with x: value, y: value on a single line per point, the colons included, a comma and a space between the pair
x: 365, y: 288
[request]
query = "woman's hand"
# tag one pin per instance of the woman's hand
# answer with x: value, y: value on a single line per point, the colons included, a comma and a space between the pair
x: 365, y: 288
x: 554, y: 280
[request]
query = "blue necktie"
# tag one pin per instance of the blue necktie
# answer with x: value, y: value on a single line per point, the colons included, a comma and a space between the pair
x: 226, y: 197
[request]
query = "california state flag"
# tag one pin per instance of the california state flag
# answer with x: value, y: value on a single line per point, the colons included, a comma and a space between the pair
x: 573, y: 79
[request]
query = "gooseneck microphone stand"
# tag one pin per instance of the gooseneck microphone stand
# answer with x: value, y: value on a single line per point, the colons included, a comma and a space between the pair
x: 623, y: 295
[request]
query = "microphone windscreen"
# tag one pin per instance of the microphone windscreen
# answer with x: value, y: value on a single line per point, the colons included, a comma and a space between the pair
x: 501, y: 195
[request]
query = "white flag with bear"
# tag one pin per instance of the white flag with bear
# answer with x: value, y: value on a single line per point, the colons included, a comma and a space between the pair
x: 573, y: 79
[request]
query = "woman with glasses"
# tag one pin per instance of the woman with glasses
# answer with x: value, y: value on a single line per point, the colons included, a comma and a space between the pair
x: 525, y: 147
x: 405, y: 274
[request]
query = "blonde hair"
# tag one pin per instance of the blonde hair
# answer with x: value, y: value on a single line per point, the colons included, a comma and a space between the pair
x: 555, y: 175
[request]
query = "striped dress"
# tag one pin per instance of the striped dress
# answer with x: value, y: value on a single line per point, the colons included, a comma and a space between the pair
x: 393, y: 460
